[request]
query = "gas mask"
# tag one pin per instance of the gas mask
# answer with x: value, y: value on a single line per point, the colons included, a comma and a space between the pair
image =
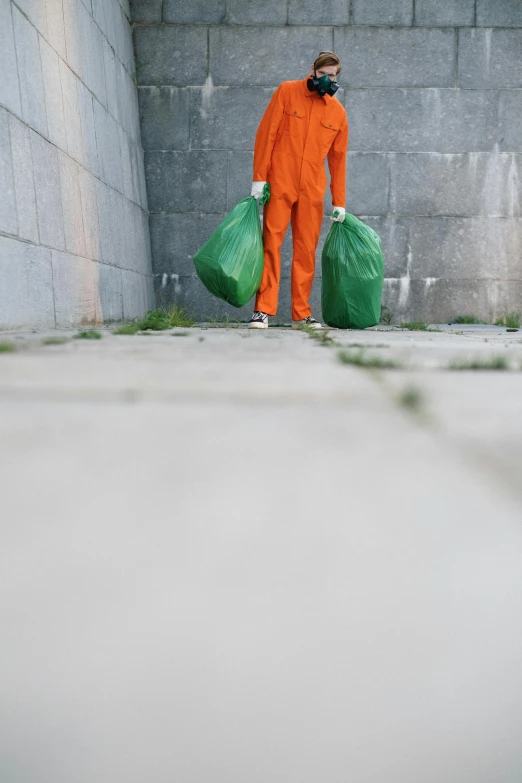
x: 323, y: 85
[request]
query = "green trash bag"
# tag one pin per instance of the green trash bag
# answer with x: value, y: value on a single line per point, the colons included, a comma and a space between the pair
x: 353, y: 274
x: 230, y: 263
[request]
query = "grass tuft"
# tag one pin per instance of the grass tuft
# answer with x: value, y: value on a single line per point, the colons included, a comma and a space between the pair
x: 360, y: 359
x: 511, y: 320
x: 467, y: 319
x: 55, y: 340
x: 7, y: 347
x: 367, y: 345
x: 158, y: 320
x: 88, y: 334
x: 127, y: 329
x: 494, y: 363
x: 138, y: 68
x: 386, y: 316
x: 418, y: 326
x: 322, y: 336
x: 412, y: 399
x: 226, y: 321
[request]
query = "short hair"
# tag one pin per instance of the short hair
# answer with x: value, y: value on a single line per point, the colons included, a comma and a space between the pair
x: 327, y: 58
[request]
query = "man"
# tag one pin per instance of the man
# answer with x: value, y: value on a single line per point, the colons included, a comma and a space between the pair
x: 302, y: 125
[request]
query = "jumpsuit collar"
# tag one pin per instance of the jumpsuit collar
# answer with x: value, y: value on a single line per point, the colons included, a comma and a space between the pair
x: 308, y: 93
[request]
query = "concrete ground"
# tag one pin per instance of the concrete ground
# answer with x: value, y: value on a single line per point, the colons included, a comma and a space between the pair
x: 227, y: 556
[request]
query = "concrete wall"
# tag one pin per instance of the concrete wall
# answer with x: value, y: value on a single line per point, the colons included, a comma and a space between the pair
x: 74, y: 241
x: 433, y: 94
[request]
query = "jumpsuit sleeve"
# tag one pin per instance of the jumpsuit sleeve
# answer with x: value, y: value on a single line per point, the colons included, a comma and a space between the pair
x: 337, y: 165
x: 266, y: 136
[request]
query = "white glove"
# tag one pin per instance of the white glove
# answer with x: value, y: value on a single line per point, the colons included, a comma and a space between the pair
x: 257, y: 189
x: 338, y: 214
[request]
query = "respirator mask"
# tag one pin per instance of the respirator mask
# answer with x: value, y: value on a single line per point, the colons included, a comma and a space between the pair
x: 323, y: 85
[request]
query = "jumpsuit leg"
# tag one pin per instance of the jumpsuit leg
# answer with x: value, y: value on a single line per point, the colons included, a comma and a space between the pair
x: 276, y: 217
x: 306, y: 226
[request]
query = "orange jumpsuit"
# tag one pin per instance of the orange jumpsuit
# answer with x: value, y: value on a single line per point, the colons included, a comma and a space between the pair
x: 298, y: 130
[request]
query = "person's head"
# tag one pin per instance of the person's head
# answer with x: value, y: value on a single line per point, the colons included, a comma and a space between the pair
x: 324, y: 74
x: 326, y: 64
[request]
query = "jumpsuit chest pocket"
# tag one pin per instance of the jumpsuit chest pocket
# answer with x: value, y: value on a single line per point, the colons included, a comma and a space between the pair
x: 327, y: 132
x: 293, y: 121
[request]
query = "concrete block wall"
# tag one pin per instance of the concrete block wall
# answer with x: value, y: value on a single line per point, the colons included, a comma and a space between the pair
x: 433, y: 92
x: 74, y: 238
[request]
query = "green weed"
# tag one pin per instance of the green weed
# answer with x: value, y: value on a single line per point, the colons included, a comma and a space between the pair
x: 88, y: 334
x: 386, y: 316
x: 222, y: 321
x: 127, y: 329
x: 138, y: 68
x: 494, y: 363
x: 155, y: 321
x: 418, y: 326
x: 467, y: 319
x: 360, y: 359
x: 55, y: 340
x: 414, y: 326
x: 367, y: 345
x: 412, y: 399
x: 511, y: 320
x: 159, y: 320
x: 322, y: 336
x: 229, y: 320
x: 7, y: 347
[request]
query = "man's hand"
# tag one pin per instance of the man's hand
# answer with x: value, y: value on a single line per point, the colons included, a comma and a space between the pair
x: 257, y: 189
x: 338, y: 214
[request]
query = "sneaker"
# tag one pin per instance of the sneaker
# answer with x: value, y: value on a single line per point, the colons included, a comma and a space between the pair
x: 308, y: 323
x: 258, y: 321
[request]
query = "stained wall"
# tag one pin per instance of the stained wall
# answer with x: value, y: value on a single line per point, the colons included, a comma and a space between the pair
x: 74, y: 237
